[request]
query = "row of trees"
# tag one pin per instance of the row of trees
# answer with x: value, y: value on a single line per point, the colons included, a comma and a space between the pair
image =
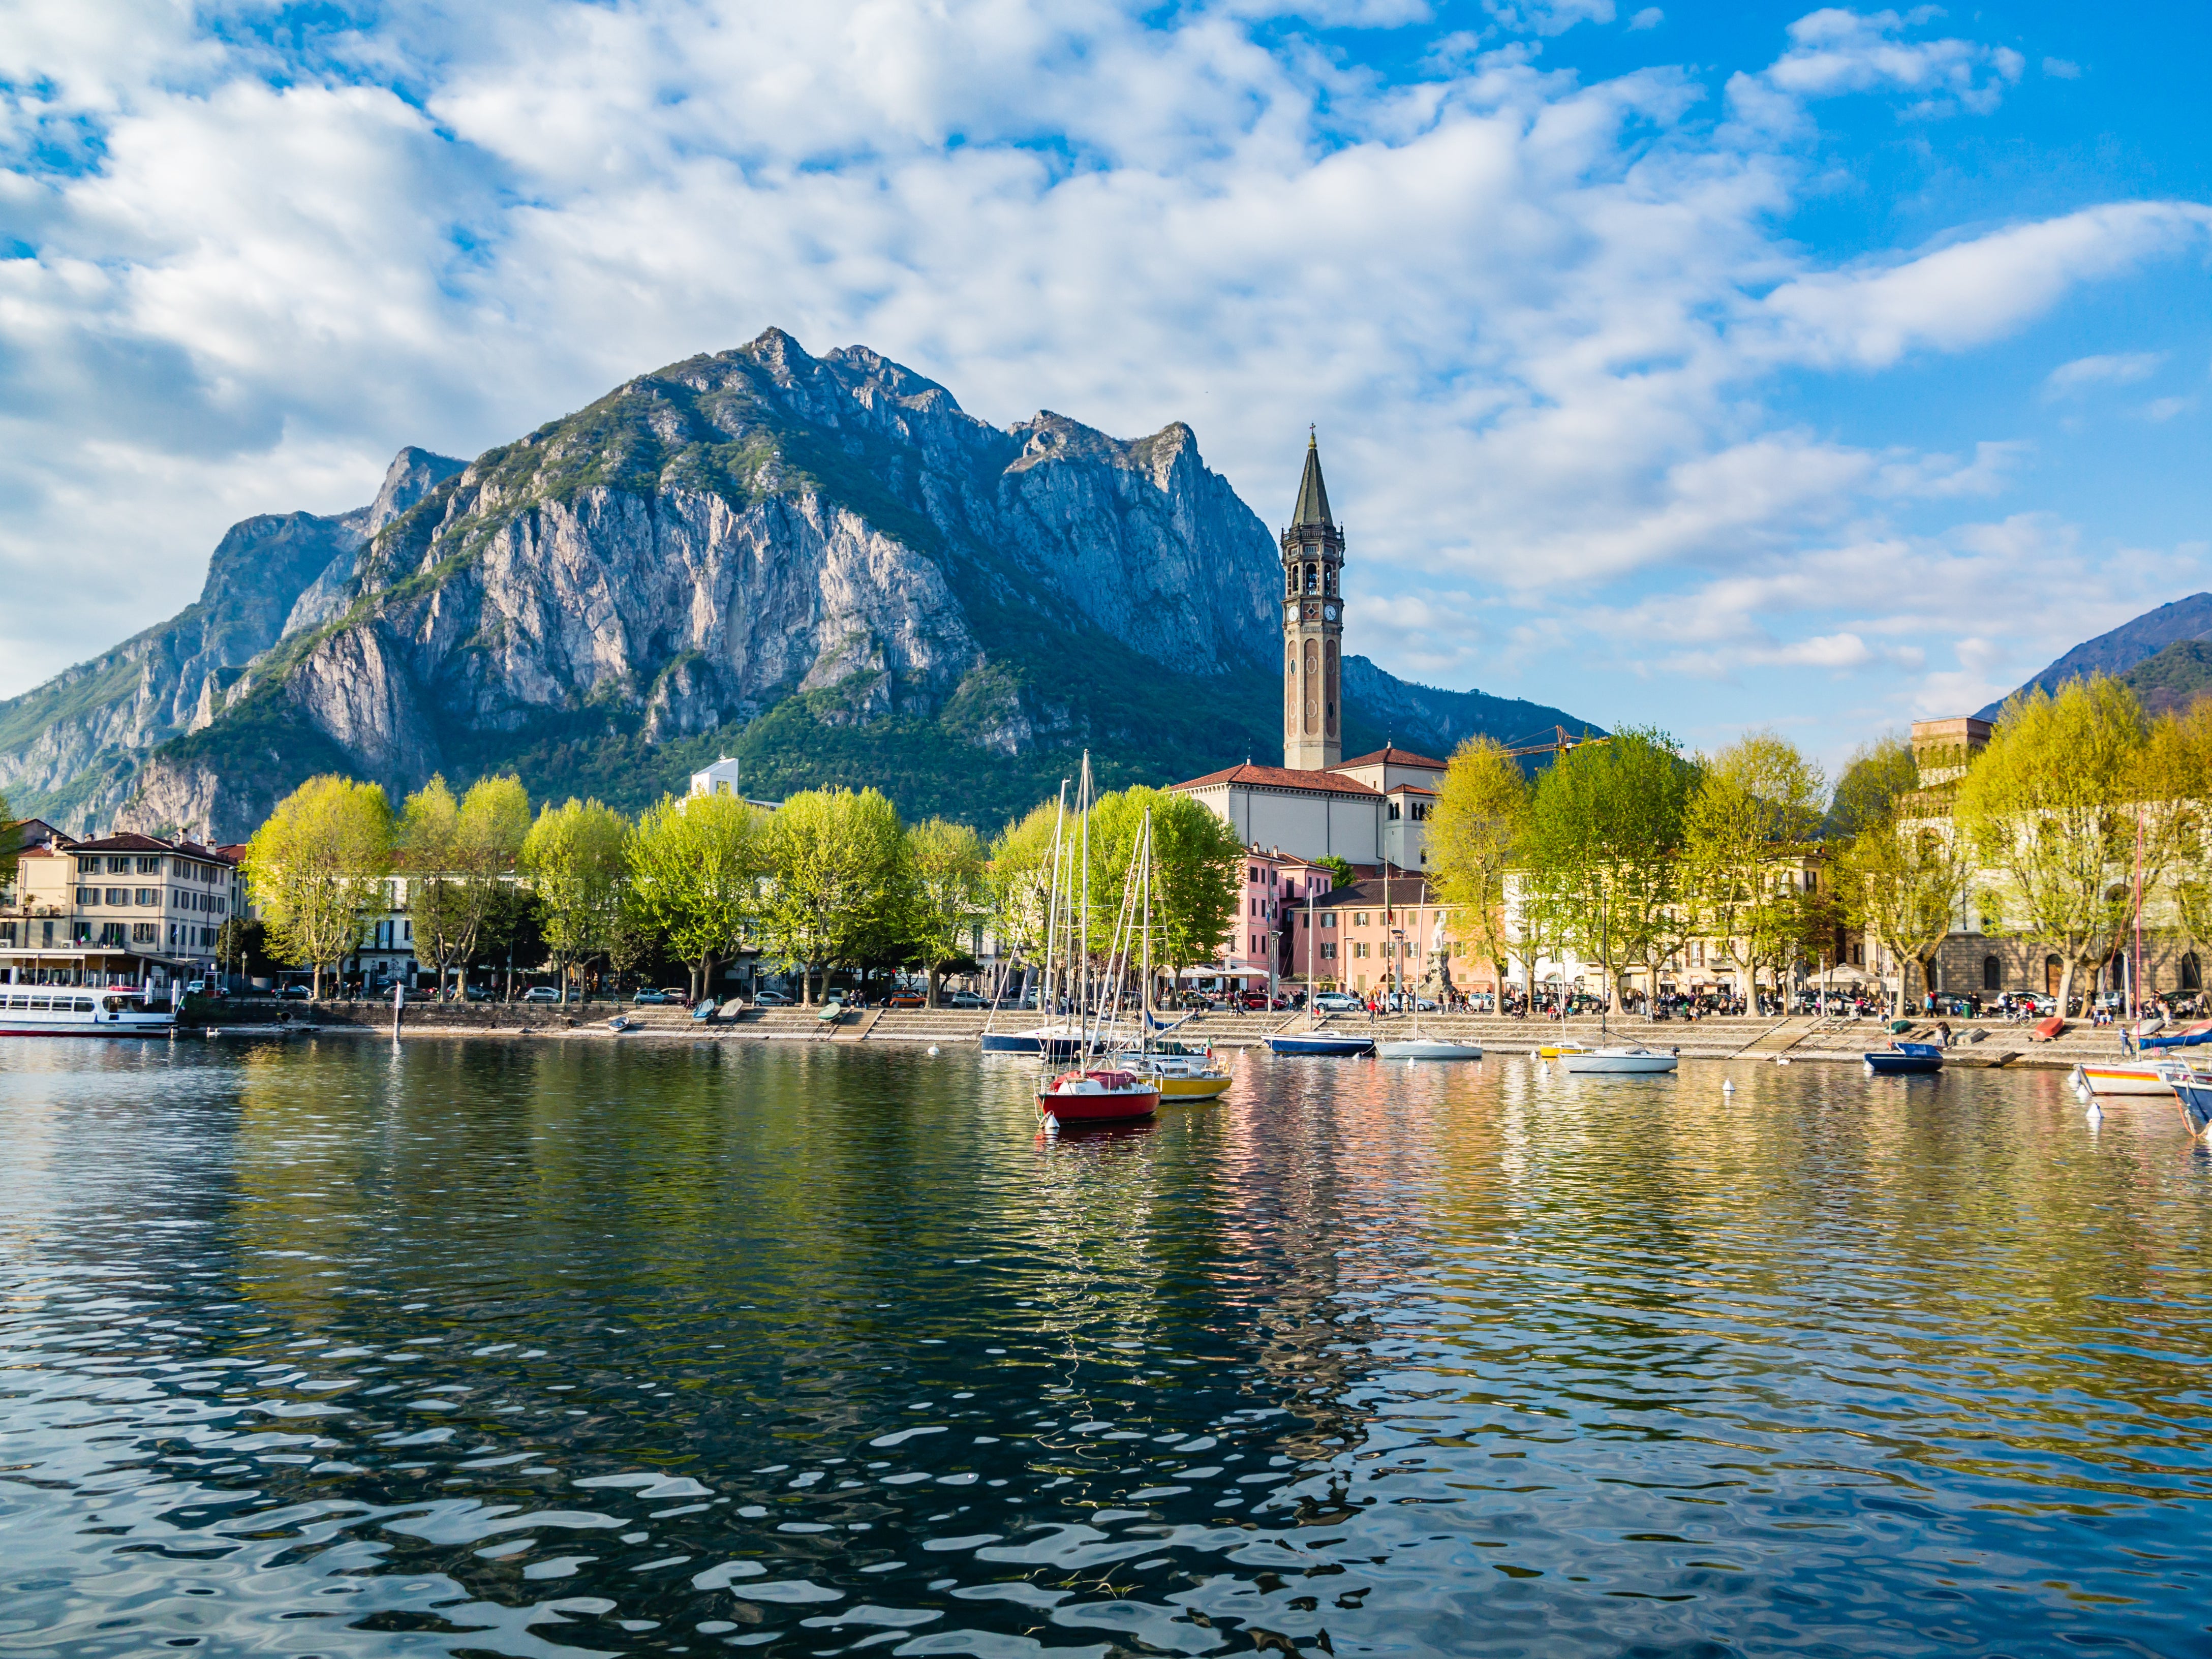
x: 829, y: 879
x: 1625, y: 851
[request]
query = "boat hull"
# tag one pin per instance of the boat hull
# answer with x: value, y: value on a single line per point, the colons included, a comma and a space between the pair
x: 1310, y: 1044
x: 2194, y: 1095
x: 79, y: 1012
x: 2121, y: 1080
x: 1891, y: 1064
x: 1423, y: 1049
x: 1594, y: 1065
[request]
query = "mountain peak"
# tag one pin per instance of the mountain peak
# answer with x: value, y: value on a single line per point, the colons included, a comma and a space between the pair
x: 2121, y: 648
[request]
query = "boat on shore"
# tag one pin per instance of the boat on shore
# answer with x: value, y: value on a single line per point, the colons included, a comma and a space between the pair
x: 1905, y: 1059
x: 1628, y: 1059
x: 83, y: 1011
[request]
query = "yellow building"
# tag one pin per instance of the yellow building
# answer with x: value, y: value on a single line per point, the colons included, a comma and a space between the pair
x: 123, y: 910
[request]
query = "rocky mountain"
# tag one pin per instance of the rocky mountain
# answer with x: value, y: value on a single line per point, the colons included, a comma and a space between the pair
x: 2169, y: 682
x: 2120, y: 650
x: 820, y: 564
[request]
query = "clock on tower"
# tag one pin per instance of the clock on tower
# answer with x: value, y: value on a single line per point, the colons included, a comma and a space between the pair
x: 1313, y: 628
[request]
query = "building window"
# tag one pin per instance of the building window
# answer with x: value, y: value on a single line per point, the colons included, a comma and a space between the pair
x: 1252, y: 872
x: 119, y: 896
x: 1328, y: 950
x: 87, y: 866
x: 1359, y: 919
x: 2053, y: 969
x: 118, y: 866
x: 143, y: 933
x: 1992, y: 975
x: 87, y: 895
x: 146, y: 896
x: 2192, y: 976
x: 1328, y: 918
x: 149, y: 866
x: 1359, y: 948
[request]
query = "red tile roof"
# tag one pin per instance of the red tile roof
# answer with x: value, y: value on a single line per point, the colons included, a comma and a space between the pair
x: 1388, y: 756
x: 1282, y: 777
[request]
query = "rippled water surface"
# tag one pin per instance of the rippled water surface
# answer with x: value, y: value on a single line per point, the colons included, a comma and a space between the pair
x: 478, y: 1348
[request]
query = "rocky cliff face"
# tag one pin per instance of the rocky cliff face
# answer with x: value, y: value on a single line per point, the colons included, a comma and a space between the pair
x: 821, y: 563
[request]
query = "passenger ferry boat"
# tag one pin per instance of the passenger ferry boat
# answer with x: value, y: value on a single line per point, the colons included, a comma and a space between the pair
x: 81, y: 1011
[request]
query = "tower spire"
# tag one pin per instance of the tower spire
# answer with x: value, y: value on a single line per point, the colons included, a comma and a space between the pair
x: 1313, y: 494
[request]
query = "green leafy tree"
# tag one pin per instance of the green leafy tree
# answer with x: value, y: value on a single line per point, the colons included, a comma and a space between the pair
x: 573, y: 858
x: 695, y: 865
x: 2052, y: 806
x: 8, y: 849
x: 456, y: 855
x: 1475, y: 834
x: 1873, y: 778
x: 2179, y: 769
x: 1758, y: 804
x: 948, y: 892
x: 1902, y: 881
x: 317, y: 864
x: 1603, y: 870
x: 1197, y: 896
x: 1019, y: 883
x: 840, y: 886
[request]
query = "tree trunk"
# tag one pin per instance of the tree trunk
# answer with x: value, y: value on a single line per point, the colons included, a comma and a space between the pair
x: 2065, y: 988
x: 932, y: 999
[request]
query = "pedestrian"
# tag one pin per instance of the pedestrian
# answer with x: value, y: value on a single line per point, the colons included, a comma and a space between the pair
x: 1943, y: 1030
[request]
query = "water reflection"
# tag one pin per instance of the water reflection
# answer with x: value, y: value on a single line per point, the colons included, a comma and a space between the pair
x: 340, y: 1347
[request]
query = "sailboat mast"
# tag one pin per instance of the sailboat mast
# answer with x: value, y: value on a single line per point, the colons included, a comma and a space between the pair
x: 1144, y: 1001
x: 1082, y: 982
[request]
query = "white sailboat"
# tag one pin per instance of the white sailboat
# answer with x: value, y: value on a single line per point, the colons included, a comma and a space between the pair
x: 1420, y: 1045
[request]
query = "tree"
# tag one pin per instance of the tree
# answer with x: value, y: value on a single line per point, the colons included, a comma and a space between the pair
x: 1019, y: 881
x: 695, y: 864
x: 8, y: 849
x: 2179, y: 761
x: 1340, y: 872
x: 840, y: 879
x: 1758, y: 802
x: 1197, y: 896
x: 2052, y: 805
x: 316, y: 864
x: 1474, y: 833
x: 457, y: 854
x: 1874, y: 776
x: 1902, y: 880
x: 573, y: 857
x: 947, y: 893
x: 1605, y: 830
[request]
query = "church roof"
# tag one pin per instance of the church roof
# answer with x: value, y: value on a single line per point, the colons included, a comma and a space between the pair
x: 1313, y: 494
x: 1284, y: 777
x: 1389, y: 756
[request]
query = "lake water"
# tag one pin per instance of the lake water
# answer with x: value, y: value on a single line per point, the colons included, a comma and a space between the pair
x: 332, y: 1347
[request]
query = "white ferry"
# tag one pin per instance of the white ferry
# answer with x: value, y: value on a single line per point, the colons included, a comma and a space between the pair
x: 81, y: 1011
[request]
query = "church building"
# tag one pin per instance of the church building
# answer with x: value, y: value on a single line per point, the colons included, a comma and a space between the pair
x: 1316, y: 805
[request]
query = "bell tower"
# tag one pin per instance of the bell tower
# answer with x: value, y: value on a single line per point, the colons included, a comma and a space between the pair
x: 1313, y: 628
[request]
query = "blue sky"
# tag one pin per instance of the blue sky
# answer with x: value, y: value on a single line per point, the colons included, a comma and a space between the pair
x: 1713, y: 366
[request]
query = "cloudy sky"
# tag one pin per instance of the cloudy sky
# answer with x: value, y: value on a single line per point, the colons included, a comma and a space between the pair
x: 1713, y: 364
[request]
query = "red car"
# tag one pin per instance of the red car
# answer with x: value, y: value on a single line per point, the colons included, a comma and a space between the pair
x: 910, y: 999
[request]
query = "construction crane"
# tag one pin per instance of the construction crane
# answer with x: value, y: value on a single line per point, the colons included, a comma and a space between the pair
x: 1558, y: 744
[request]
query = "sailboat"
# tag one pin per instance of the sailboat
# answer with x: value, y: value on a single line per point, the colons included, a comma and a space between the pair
x: 1418, y: 1046
x: 1612, y: 1059
x: 1315, y: 1039
x: 1084, y: 1097
x: 1061, y: 1041
x: 1181, y: 1072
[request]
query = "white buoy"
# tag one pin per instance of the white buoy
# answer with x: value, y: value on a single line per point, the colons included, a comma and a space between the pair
x: 932, y: 1048
x: 1782, y: 1059
x: 1728, y: 1085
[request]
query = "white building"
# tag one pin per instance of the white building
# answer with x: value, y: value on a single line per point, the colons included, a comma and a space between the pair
x: 1366, y: 810
x: 727, y: 777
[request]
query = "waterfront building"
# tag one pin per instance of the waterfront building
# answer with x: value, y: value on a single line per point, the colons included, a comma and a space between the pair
x: 121, y: 909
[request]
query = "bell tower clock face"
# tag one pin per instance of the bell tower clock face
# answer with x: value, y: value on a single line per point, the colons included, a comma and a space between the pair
x: 1329, y: 611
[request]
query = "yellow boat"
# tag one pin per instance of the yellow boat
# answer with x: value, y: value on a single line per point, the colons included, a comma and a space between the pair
x: 1553, y: 1050
x: 1180, y: 1073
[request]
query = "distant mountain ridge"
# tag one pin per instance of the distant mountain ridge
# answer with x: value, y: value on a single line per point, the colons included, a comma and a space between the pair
x: 2117, y: 652
x: 823, y: 565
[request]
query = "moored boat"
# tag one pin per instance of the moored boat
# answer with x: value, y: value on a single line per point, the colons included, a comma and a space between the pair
x: 1905, y: 1059
x: 1554, y: 1050
x: 1179, y: 1073
x: 2192, y: 1091
x: 1421, y: 1047
x: 1321, y: 1042
x: 1100, y: 1097
x: 81, y: 1011
x: 2141, y: 1078
x: 1062, y: 1041
x: 1626, y: 1061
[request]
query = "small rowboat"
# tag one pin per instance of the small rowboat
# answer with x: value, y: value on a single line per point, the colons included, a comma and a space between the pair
x: 1627, y: 1061
x: 1321, y: 1042
x: 1905, y: 1059
x: 1087, y: 1097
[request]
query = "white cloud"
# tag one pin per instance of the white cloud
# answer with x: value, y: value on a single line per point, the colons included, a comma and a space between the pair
x: 1650, y: 18
x: 2059, y: 70
x: 2119, y: 370
x: 1536, y: 318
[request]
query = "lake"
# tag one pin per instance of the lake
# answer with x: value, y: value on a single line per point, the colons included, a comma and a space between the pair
x: 335, y: 1346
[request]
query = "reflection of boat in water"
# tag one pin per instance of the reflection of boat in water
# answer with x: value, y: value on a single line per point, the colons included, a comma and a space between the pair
x: 1905, y: 1059
x: 81, y: 1011
x: 1627, y: 1059
x: 1321, y: 1041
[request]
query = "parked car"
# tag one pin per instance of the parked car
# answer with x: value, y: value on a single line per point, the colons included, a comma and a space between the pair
x: 646, y: 997
x: 198, y: 987
x: 541, y: 993
x: 908, y: 1000
x: 771, y: 1000
x: 294, y: 993
x: 478, y: 993
x: 965, y: 999
x: 1338, y: 1002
